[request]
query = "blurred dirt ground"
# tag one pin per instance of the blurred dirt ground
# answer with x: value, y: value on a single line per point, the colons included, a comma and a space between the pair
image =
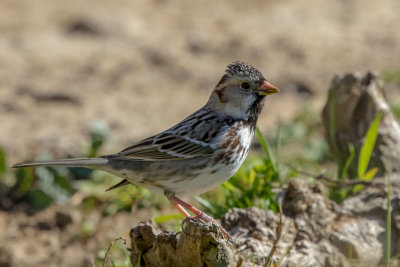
x: 140, y: 66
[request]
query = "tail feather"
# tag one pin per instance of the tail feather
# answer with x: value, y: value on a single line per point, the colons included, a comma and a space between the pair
x: 77, y: 162
x: 122, y: 183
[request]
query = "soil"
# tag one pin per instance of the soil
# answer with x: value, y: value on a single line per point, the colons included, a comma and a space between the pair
x: 138, y: 67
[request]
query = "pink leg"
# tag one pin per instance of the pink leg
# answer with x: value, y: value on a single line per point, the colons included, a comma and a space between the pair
x: 199, y: 214
x: 181, y: 205
x: 181, y: 210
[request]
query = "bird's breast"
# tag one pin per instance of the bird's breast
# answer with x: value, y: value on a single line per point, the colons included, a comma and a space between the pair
x: 234, y: 144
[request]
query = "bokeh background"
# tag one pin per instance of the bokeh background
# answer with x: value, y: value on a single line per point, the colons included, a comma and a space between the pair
x: 134, y: 68
x: 142, y: 66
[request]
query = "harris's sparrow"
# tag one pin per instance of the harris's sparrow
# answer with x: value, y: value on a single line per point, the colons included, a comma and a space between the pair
x: 200, y: 152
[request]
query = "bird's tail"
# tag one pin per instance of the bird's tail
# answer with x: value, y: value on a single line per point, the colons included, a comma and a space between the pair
x: 93, y: 163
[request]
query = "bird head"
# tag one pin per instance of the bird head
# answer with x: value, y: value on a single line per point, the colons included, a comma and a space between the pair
x: 241, y: 91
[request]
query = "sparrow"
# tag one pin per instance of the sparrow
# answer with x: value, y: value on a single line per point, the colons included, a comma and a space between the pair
x: 200, y: 152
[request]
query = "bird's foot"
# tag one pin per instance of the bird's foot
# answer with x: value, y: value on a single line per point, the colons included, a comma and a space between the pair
x: 206, y: 218
x: 181, y: 206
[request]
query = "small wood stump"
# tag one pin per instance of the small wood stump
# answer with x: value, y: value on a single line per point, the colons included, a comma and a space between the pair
x: 201, y: 244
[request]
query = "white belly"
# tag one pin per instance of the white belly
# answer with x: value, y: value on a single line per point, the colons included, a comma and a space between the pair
x: 205, y: 181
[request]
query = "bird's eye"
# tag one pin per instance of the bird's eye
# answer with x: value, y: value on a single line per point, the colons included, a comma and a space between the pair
x: 245, y: 85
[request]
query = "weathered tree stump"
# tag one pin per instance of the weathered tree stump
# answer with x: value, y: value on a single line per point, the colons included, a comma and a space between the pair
x: 201, y: 244
x: 353, y: 103
x: 318, y: 231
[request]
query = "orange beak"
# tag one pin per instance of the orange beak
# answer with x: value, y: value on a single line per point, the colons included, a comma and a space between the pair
x: 267, y: 89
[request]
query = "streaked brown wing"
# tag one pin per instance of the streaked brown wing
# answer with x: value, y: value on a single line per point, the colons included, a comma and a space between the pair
x: 188, y: 139
x: 166, y: 146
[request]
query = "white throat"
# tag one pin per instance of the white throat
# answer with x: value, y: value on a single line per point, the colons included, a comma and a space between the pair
x: 235, y: 112
x: 239, y: 107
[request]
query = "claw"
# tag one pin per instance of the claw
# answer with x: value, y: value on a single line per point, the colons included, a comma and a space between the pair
x: 180, y: 205
x: 207, y: 218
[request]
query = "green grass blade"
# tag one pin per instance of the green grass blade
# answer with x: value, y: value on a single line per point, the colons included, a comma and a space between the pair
x: 3, y: 166
x: 345, y: 169
x: 267, y: 149
x: 139, y: 261
x: 368, y: 146
x: 209, y: 205
x: 371, y: 174
x: 285, y: 253
x: 278, y: 144
x: 165, y: 218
